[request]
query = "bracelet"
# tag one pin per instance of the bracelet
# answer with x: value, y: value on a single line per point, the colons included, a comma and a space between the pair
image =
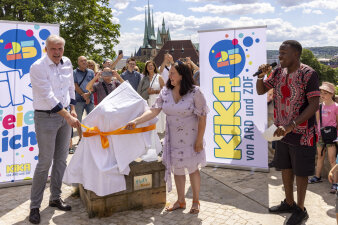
x: 260, y: 78
x: 294, y: 124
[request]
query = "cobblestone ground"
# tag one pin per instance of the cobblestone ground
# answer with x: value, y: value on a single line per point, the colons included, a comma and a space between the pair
x: 227, y: 197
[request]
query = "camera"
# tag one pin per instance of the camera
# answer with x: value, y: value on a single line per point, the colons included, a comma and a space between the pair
x: 107, y: 74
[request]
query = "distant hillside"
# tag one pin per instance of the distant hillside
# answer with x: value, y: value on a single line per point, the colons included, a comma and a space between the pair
x: 327, y: 52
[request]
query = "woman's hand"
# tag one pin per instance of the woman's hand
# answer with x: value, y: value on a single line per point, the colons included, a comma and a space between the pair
x: 198, y: 145
x: 131, y: 125
x: 150, y: 91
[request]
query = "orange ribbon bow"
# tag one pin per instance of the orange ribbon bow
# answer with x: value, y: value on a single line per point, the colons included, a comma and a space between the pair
x: 93, y: 131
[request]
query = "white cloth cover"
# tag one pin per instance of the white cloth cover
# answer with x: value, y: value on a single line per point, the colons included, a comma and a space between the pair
x: 102, y: 170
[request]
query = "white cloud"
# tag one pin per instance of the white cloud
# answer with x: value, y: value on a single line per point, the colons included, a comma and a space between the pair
x: 311, y: 11
x: 290, y: 2
x: 141, y: 9
x: 121, y: 5
x: 238, y: 9
x: 115, y: 20
x: 129, y: 41
x: 116, y: 12
x: 314, y: 4
x: 183, y: 27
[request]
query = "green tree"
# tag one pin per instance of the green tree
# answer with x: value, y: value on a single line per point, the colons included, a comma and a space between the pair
x: 325, y: 73
x: 86, y: 25
x: 140, y: 65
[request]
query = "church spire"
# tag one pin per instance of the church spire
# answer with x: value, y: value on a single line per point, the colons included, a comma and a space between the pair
x: 152, y: 23
x: 145, y: 38
x: 169, y: 38
x: 149, y: 22
x: 158, y: 41
x: 163, y: 27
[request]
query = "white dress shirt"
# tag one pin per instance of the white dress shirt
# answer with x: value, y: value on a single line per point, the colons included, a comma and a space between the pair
x: 52, y: 85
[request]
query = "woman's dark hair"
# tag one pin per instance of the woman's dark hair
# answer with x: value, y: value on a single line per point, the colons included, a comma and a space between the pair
x: 187, y: 82
x: 145, y: 72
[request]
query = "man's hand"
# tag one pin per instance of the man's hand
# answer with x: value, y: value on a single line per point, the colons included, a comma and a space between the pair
x: 116, y: 74
x: 98, y: 76
x: 73, y: 113
x: 119, y: 57
x: 86, y: 96
x: 283, y: 130
x: 73, y: 122
x: 265, y: 68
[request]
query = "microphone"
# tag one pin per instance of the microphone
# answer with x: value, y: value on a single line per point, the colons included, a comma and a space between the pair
x: 260, y: 71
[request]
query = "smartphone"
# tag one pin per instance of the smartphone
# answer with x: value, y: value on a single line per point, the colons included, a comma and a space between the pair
x: 120, y: 52
x: 107, y: 74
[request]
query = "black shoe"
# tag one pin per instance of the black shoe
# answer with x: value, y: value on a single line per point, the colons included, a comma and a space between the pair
x: 60, y: 205
x: 271, y: 164
x: 34, y: 216
x: 284, y: 207
x: 297, y: 216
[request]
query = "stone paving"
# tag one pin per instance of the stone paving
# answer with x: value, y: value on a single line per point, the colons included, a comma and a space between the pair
x: 227, y: 197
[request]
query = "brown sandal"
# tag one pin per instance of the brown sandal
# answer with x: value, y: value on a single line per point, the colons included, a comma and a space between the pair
x: 195, y: 210
x: 181, y: 205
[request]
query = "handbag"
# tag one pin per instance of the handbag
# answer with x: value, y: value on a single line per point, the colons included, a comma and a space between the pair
x: 329, y: 133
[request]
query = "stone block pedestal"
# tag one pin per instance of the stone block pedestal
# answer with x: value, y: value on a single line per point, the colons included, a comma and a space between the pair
x: 145, y: 189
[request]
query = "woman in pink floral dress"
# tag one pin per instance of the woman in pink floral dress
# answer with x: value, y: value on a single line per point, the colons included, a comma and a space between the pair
x: 183, y: 151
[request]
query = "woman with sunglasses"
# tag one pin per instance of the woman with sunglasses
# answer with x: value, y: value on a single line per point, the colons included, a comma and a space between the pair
x: 183, y: 151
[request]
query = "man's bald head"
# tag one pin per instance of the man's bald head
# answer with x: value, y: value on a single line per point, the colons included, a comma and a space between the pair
x: 82, y: 62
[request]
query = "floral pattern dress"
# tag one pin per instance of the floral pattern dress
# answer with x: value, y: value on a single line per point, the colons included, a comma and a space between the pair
x: 179, y: 155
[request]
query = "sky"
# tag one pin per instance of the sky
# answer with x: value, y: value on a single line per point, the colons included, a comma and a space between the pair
x: 313, y: 23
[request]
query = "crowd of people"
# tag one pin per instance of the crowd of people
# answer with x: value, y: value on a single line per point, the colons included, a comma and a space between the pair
x: 61, y: 95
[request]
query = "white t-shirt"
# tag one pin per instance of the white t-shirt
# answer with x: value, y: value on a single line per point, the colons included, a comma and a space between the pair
x: 165, y: 73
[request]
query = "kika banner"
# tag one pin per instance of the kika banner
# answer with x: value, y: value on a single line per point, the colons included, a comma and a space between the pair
x: 21, y: 44
x: 238, y: 116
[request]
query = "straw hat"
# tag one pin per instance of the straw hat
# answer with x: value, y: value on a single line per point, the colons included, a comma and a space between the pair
x: 327, y: 86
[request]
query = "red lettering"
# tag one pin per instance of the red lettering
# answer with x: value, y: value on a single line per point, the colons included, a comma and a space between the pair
x: 8, y: 122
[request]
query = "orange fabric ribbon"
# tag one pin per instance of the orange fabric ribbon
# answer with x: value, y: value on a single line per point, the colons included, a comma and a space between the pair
x: 93, y: 131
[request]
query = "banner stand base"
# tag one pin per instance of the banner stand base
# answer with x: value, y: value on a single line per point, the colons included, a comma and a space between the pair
x: 229, y: 166
x: 16, y: 183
